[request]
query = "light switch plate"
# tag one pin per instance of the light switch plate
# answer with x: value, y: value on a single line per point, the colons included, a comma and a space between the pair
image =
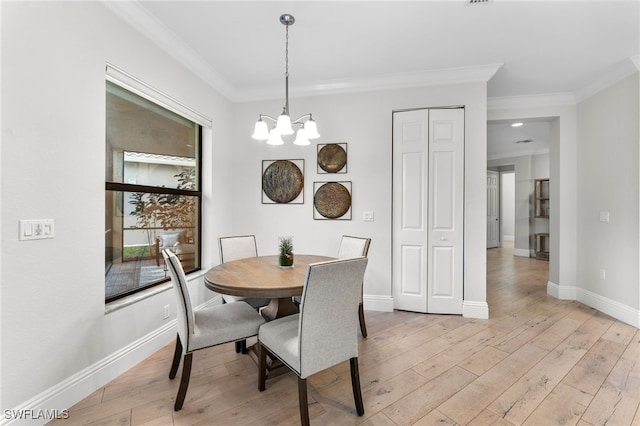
x: 36, y: 229
x: 604, y: 216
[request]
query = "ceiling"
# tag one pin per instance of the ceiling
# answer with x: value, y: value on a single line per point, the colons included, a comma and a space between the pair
x: 504, y: 141
x: 523, y: 48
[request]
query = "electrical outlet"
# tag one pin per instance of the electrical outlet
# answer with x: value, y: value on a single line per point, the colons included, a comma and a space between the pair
x: 165, y: 312
x: 603, y: 274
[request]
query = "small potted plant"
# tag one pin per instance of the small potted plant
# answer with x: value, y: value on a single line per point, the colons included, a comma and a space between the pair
x: 286, y: 252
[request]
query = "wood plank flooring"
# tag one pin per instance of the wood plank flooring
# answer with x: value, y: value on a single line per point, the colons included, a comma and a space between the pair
x: 536, y: 361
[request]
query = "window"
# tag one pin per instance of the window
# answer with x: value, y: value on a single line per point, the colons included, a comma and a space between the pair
x: 153, y: 196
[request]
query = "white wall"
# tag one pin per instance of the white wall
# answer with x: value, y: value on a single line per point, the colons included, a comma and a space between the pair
x: 364, y: 122
x: 608, y: 181
x: 54, y: 325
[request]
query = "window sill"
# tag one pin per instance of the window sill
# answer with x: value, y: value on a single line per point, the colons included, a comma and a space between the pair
x: 145, y: 294
x: 134, y: 298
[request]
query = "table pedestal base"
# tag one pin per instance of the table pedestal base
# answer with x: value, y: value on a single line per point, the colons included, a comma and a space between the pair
x: 278, y: 308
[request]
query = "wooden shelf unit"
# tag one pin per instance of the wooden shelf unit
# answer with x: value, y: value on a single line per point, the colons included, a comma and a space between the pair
x: 541, y: 210
x: 542, y: 245
x: 541, y: 201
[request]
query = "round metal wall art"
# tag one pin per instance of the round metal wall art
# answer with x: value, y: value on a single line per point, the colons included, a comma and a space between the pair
x: 282, y: 181
x: 332, y: 200
x: 332, y: 158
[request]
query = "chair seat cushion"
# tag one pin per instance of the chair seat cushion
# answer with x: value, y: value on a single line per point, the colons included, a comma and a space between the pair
x: 223, y: 323
x: 281, y: 337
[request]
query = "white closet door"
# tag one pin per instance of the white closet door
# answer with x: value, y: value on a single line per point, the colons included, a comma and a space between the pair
x: 410, y: 161
x: 446, y: 211
x: 428, y: 189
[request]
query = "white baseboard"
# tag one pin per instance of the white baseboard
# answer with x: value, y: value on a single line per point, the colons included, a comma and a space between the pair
x: 80, y: 385
x: 77, y: 387
x: 508, y: 237
x: 521, y: 252
x: 377, y: 303
x: 618, y: 310
x: 471, y: 309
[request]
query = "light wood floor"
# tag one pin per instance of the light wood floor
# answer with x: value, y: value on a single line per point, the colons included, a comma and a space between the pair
x: 536, y: 361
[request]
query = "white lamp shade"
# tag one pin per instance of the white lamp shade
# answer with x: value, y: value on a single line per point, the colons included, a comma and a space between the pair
x: 301, y: 138
x: 284, y: 125
x: 311, y: 130
x: 275, y: 138
x: 260, y: 131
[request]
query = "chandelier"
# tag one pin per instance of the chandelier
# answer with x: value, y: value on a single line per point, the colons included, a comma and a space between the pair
x: 283, y: 125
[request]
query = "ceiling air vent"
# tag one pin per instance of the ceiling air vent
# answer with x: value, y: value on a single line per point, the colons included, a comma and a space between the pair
x: 478, y: 1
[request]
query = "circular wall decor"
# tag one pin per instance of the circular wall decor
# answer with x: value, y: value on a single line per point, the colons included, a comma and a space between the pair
x: 282, y: 181
x: 332, y: 200
x: 332, y: 158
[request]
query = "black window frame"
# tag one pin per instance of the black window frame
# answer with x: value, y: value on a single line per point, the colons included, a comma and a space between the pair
x: 111, y: 186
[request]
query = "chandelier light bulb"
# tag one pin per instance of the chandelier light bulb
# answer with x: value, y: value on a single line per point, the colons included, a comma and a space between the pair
x: 301, y: 138
x: 260, y: 131
x: 311, y: 129
x: 275, y: 138
x: 284, y: 125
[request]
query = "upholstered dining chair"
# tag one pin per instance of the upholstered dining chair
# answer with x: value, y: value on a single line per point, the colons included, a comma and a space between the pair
x: 324, y: 333
x: 234, y: 248
x: 352, y: 247
x: 203, y: 328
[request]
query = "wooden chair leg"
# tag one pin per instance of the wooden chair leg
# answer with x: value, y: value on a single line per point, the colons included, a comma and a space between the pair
x: 304, y: 404
x: 176, y: 358
x: 363, y: 327
x: 184, y: 381
x: 262, y: 367
x: 355, y: 384
x: 241, y: 347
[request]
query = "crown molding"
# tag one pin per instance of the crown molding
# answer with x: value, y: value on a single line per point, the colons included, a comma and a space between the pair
x: 481, y: 73
x: 531, y: 101
x: 620, y: 71
x: 139, y: 19
x: 514, y: 154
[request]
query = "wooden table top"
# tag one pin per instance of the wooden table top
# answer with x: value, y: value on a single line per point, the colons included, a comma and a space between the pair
x: 261, y: 276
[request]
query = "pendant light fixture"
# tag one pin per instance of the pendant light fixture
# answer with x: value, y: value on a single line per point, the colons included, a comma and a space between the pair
x: 283, y: 125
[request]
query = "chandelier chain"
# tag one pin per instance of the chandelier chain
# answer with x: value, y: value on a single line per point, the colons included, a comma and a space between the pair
x: 286, y: 51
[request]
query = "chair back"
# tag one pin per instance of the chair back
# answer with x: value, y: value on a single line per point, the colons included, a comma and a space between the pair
x: 353, y: 247
x: 185, y: 315
x: 328, y: 321
x: 237, y: 247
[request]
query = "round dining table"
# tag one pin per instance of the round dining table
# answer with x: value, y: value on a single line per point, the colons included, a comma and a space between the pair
x: 261, y: 277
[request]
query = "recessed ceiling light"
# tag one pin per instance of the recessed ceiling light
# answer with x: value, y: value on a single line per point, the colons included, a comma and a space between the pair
x: 516, y: 124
